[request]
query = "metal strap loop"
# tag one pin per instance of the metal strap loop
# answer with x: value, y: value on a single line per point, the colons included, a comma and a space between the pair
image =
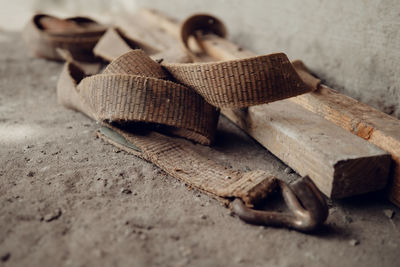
x: 307, y: 208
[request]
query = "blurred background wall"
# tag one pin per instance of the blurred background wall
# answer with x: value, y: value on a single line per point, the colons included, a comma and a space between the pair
x: 354, y: 46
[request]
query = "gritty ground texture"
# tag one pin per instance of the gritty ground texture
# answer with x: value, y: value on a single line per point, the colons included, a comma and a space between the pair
x: 69, y: 199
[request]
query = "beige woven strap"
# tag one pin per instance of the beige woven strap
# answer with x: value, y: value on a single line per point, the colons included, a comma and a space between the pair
x: 133, y: 88
x: 178, y: 158
x: 142, y: 103
x: 229, y: 84
x: 44, y: 34
x: 241, y: 83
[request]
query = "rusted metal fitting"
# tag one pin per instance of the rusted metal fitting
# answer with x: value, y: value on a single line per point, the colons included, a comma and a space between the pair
x: 307, y: 208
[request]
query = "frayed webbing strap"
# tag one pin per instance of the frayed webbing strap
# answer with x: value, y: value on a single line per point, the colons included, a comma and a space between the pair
x: 134, y: 88
x: 243, y: 82
x: 79, y: 41
x: 181, y: 99
x: 178, y: 158
x: 228, y: 84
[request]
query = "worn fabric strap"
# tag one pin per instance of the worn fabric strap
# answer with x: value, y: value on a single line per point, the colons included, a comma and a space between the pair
x: 261, y: 79
x: 134, y: 88
x: 241, y: 83
x: 142, y: 103
x: 227, y: 84
x: 178, y: 158
x: 79, y: 40
x: 199, y: 25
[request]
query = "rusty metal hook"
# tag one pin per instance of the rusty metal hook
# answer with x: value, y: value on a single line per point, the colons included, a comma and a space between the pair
x: 307, y: 205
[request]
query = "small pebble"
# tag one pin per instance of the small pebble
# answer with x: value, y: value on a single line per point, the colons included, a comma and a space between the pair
x: 354, y: 242
x: 52, y: 216
x: 389, y: 213
x: 203, y: 216
x: 175, y: 237
x: 126, y: 191
x: 30, y: 174
x: 5, y: 257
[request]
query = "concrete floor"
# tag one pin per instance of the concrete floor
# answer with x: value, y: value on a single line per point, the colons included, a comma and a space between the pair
x: 62, y: 200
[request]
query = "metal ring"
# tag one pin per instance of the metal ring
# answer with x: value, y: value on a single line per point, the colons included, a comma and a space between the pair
x: 307, y: 208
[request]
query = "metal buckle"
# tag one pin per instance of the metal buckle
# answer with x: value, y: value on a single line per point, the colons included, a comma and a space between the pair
x: 307, y: 208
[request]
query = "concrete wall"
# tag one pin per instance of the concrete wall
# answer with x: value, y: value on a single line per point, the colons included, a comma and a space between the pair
x: 354, y: 46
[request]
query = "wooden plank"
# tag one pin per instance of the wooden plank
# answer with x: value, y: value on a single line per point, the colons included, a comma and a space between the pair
x: 341, y: 164
x: 360, y: 119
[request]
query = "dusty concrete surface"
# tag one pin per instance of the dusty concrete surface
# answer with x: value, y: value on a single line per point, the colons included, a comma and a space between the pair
x: 63, y: 203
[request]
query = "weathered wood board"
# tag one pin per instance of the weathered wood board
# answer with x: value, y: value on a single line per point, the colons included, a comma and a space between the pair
x: 360, y: 119
x: 339, y: 163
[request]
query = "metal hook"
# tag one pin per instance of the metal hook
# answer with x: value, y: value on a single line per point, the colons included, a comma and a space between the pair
x: 307, y: 205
